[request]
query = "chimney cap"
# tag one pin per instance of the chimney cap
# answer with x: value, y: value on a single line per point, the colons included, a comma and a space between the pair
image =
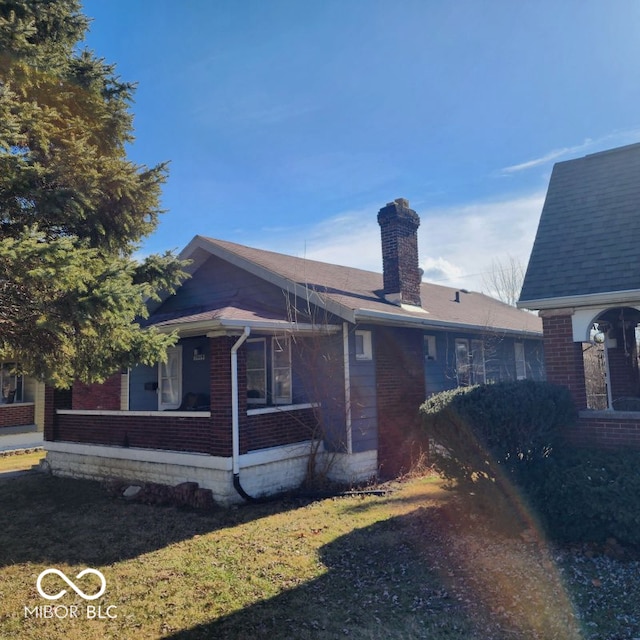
x: 402, y: 202
x: 398, y: 210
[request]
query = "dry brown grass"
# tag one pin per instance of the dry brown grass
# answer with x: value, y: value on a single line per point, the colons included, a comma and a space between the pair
x: 409, y: 564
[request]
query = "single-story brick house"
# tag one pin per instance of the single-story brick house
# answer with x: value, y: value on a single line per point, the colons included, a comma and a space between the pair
x: 279, y: 355
x: 584, y: 279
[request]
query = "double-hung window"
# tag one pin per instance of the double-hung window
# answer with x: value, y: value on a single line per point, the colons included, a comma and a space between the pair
x: 269, y: 371
x: 257, y: 371
x: 521, y: 362
x: 463, y: 368
x: 477, y: 362
x: 281, y: 367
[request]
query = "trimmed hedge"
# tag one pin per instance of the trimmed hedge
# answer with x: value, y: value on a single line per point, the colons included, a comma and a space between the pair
x: 500, y: 446
x: 588, y: 495
x: 487, y: 431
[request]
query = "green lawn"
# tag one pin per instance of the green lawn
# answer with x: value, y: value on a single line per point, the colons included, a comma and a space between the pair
x: 405, y: 565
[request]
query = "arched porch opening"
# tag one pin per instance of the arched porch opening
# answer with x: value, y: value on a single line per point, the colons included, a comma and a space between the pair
x: 610, y: 356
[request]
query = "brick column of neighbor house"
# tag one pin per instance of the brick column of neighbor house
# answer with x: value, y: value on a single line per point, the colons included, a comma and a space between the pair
x: 400, y: 266
x: 564, y: 364
x: 220, y: 377
x: 104, y: 396
x: 49, y: 413
x: 623, y: 375
x: 400, y: 392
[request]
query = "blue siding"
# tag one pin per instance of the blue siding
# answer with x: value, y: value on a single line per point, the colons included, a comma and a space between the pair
x: 195, y: 376
x: 499, y: 359
x: 364, y: 411
x: 141, y: 399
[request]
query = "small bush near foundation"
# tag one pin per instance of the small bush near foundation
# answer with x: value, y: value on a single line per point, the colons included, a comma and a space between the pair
x: 589, y: 495
x: 490, y: 431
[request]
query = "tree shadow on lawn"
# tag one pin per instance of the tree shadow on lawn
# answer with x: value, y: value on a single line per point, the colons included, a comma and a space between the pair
x: 51, y: 520
x: 425, y: 574
x: 377, y: 585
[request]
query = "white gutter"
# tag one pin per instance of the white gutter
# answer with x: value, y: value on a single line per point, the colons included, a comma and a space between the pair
x: 392, y: 319
x: 347, y: 384
x: 605, y: 299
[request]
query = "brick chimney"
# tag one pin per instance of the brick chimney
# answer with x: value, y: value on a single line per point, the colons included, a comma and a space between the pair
x: 401, y: 273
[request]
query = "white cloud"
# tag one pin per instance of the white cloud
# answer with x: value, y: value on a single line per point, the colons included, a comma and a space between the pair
x: 457, y: 244
x: 614, y: 138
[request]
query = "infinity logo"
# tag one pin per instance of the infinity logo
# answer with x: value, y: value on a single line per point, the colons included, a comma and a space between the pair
x: 84, y: 572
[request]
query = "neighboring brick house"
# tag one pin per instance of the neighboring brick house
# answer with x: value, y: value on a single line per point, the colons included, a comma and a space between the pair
x: 278, y: 355
x: 22, y: 406
x: 584, y: 279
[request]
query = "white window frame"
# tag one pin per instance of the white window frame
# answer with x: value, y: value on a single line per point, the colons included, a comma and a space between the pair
x: 10, y: 382
x: 478, y: 369
x: 173, y: 382
x: 463, y: 369
x: 430, y: 348
x: 521, y: 360
x: 261, y: 400
x: 281, y: 371
x: 367, y: 347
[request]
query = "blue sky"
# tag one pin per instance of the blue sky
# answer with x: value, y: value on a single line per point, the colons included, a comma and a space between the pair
x: 289, y: 123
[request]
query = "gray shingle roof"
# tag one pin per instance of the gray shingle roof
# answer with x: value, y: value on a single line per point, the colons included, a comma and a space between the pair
x: 589, y: 231
x: 357, y: 294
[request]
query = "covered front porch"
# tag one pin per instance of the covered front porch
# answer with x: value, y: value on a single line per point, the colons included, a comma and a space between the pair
x: 234, y: 409
x: 594, y: 351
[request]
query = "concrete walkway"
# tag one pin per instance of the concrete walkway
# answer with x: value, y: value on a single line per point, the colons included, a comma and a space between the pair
x: 14, y: 438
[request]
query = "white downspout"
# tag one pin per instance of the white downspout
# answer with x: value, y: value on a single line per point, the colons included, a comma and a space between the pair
x: 235, y: 419
x: 347, y: 385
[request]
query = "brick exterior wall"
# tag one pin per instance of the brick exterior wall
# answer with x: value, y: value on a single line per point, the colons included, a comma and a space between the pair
x: 149, y: 432
x: 563, y: 357
x: 400, y: 388
x: 210, y: 435
x: 400, y: 265
x: 274, y: 429
x: 104, y: 396
x: 623, y: 375
x: 613, y: 431
x: 16, y: 415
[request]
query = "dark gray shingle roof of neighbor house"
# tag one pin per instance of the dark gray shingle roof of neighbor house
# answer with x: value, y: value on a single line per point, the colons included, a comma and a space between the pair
x: 358, y: 293
x: 588, y: 239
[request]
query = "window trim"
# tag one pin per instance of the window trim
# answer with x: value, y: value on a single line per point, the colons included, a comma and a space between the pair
x: 367, y: 346
x: 463, y: 367
x: 478, y: 364
x: 168, y: 406
x: 521, y: 362
x: 430, y: 348
x: 264, y: 400
x: 16, y: 379
x: 275, y: 398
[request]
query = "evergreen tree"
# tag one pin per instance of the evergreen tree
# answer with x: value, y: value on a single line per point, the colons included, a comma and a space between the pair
x: 73, y: 208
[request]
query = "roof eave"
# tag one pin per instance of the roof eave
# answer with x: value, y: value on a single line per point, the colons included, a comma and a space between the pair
x: 391, y: 319
x: 203, y: 327
x: 604, y: 298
